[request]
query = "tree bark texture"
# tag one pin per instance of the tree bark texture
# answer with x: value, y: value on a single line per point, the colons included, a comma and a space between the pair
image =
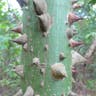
x: 56, y: 42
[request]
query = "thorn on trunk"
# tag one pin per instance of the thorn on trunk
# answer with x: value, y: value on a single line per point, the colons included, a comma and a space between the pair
x: 21, y: 40
x: 18, y: 29
x: 73, y: 18
x: 58, y: 71
x: 40, y: 6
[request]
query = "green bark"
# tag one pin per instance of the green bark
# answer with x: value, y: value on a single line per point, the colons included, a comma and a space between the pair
x: 57, y: 42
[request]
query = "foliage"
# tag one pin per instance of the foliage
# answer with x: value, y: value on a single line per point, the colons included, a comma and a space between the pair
x: 87, y: 33
x: 86, y: 28
x: 92, y: 2
x: 9, y: 52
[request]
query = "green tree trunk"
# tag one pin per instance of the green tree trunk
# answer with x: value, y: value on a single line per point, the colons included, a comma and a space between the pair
x: 45, y: 84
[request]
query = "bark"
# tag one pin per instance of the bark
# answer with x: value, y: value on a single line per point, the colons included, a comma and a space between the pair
x: 39, y: 76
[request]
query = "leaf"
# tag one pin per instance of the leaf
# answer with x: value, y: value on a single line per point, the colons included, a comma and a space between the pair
x: 92, y: 2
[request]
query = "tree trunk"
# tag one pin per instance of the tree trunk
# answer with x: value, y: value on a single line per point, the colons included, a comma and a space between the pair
x: 56, y: 42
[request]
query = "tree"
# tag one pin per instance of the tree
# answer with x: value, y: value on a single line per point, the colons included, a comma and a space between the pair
x: 46, y: 57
